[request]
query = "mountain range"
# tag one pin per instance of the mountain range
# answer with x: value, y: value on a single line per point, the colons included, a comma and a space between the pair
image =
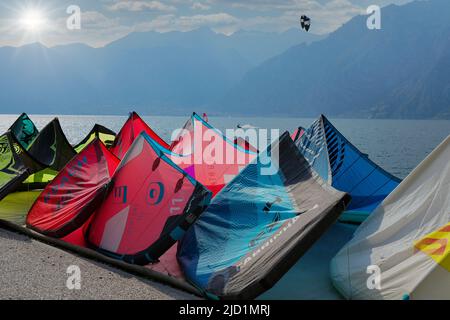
x: 400, y: 71
x: 148, y: 72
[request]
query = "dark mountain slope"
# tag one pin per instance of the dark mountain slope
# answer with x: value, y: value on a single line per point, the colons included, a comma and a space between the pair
x: 393, y: 72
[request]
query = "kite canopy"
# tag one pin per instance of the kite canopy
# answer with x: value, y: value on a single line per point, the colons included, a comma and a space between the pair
x: 51, y: 147
x: 207, y: 155
x: 53, y: 151
x: 16, y: 164
x: 24, y: 130
x: 105, y: 135
x: 15, y: 206
x: 76, y: 192
x: 129, y: 132
x: 258, y: 226
x: 150, y: 205
x: 406, y: 237
x: 298, y: 133
x: 346, y: 168
x: 183, y: 143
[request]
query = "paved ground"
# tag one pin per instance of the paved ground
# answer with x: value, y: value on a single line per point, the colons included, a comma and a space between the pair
x: 30, y: 269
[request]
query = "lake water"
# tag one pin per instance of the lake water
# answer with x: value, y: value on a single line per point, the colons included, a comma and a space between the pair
x: 396, y: 145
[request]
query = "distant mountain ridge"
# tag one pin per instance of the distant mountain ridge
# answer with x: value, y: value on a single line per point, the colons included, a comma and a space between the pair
x: 149, y: 72
x: 401, y: 71
x: 253, y: 46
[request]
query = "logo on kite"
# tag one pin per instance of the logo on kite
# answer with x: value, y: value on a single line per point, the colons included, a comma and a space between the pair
x: 6, y: 158
x: 120, y: 194
x: 257, y: 239
x: 269, y: 205
x: 269, y: 228
x: 28, y: 131
x: 305, y: 22
x: 75, y: 170
x: 108, y: 143
x: 155, y: 193
x: 276, y: 219
x: 4, y: 148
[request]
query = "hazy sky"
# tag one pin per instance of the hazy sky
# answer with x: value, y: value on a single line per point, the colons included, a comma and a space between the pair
x: 106, y: 20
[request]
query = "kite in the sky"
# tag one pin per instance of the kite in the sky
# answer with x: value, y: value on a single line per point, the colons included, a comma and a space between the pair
x: 305, y: 22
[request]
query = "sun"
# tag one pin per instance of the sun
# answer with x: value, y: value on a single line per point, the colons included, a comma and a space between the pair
x: 33, y: 20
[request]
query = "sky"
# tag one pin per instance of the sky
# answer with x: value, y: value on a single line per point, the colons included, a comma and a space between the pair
x: 103, y: 21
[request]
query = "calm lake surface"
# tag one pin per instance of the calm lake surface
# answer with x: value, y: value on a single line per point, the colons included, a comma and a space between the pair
x: 396, y: 145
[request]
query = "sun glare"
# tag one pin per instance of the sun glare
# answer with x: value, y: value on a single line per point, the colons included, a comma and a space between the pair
x: 33, y: 20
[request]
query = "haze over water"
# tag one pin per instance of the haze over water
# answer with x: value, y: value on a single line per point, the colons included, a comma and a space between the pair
x: 396, y: 145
